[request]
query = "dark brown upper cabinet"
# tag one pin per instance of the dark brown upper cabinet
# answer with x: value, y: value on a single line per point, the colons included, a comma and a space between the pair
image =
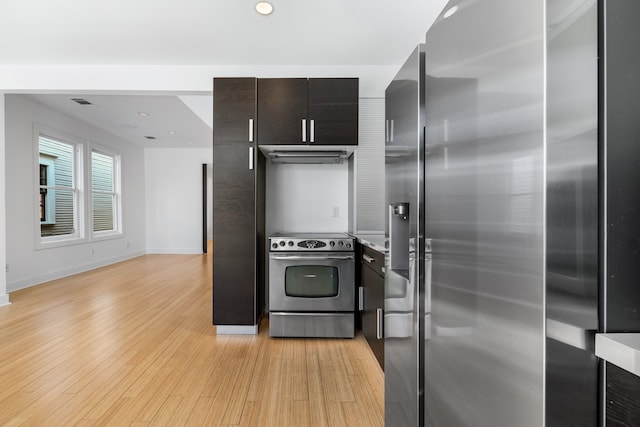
x: 234, y: 110
x: 333, y: 110
x: 321, y: 111
x: 282, y: 109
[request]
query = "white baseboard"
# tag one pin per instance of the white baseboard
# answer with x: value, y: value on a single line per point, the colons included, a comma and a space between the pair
x: 237, y: 329
x: 175, y: 251
x: 4, y: 300
x: 36, y: 280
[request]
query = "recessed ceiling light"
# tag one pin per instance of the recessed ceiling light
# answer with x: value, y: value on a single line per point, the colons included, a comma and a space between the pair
x: 143, y: 114
x: 172, y: 132
x: 189, y: 142
x: 264, y: 8
x: 450, y: 12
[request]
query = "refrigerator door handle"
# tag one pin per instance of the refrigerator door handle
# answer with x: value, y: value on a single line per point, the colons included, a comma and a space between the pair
x: 386, y: 130
x: 311, y: 257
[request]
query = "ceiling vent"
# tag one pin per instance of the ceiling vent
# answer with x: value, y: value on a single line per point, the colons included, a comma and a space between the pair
x: 81, y: 101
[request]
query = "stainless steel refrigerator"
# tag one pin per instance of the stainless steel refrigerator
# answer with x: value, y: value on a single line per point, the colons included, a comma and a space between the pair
x: 404, y: 263
x: 496, y: 182
x: 496, y: 205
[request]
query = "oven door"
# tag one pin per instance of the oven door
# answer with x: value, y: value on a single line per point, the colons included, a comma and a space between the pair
x: 311, y: 282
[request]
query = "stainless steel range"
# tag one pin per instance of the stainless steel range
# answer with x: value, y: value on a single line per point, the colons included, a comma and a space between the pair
x: 311, y: 285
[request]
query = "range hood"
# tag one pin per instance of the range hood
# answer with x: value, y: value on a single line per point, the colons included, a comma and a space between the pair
x: 307, y: 154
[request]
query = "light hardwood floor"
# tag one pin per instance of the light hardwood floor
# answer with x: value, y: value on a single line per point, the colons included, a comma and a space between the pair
x: 133, y: 344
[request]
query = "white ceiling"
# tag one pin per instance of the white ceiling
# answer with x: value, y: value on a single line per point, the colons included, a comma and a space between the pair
x: 202, y: 32
x: 169, y: 119
x: 221, y: 32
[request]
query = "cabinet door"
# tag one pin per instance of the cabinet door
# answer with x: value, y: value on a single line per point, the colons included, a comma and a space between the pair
x: 333, y: 111
x: 234, y: 220
x: 402, y: 98
x: 282, y: 111
x: 234, y: 109
x: 373, y: 300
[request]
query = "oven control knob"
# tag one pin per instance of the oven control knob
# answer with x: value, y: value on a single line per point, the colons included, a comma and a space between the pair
x: 348, y: 245
x: 332, y: 243
x: 281, y: 243
x: 290, y: 242
x: 274, y: 245
x: 340, y: 243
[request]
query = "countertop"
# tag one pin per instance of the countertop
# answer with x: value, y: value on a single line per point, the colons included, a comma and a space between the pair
x: 621, y: 349
x: 375, y: 241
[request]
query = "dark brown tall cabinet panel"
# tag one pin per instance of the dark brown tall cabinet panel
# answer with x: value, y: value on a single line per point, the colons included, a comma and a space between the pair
x: 321, y: 111
x: 619, y: 177
x: 372, y: 303
x: 238, y: 214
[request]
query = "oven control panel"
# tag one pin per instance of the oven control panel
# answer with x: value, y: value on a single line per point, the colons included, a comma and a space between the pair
x: 292, y: 244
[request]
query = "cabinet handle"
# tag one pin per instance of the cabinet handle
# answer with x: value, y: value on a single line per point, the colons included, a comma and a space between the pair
x: 391, y: 132
x: 361, y: 298
x: 313, y: 130
x: 368, y: 258
x: 250, y: 130
x: 250, y: 158
x: 304, y: 130
x: 379, y: 323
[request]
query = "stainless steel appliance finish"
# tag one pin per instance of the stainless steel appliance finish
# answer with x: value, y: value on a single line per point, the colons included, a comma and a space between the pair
x: 404, y: 151
x: 319, y: 242
x: 530, y: 159
x: 511, y: 208
x: 311, y: 325
x: 308, y: 157
x: 484, y: 201
x: 311, y: 285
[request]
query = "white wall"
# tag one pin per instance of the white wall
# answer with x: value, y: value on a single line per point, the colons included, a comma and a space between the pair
x: 302, y: 198
x: 4, y: 297
x: 130, y: 79
x: 173, y: 182
x: 28, y: 266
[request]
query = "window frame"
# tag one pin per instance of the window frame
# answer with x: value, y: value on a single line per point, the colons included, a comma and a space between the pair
x: 78, y: 185
x: 117, y: 230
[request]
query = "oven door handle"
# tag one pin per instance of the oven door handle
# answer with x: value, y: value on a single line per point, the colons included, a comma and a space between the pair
x: 311, y: 258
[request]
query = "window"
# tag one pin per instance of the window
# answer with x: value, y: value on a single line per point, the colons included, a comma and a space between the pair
x: 58, y: 192
x: 77, y: 196
x: 105, y: 192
